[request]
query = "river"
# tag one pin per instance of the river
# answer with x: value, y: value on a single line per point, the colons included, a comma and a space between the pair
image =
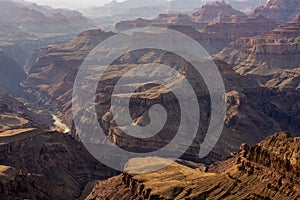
x: 60, y: 124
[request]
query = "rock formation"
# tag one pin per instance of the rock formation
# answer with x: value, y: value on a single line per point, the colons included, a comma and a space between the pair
x: 268, y: 170
x: 46, y: 165
x: 14, y: 114
x: 280, y: 10
x: 212, y: 28
x: 212, y: 11
x: 266, y: 53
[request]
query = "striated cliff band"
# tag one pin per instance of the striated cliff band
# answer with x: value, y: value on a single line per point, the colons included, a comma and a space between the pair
x: 266, y: 53
x: 267, y: 170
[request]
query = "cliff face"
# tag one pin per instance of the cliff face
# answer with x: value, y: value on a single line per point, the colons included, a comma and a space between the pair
x: 269, y: 170
x: 266, y: 53
x: 15, y: 184
x: 215, y: 10
x: 249, y: 27
x: 48, y: 165
x: 280, y: 10
x: 280, y: 153
x: 14, y: 114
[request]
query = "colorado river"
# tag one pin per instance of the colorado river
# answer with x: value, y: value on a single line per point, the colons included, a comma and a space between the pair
x: 60, y: 124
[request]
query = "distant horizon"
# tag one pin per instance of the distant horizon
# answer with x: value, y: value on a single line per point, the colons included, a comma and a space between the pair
x: 72, y: 4
x: 77, y: 4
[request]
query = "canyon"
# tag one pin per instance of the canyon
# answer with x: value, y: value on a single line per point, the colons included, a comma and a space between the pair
x: 253, y: 101
x: 257, y: 54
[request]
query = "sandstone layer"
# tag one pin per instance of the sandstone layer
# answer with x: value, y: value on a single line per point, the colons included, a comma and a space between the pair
x: 268, y: 170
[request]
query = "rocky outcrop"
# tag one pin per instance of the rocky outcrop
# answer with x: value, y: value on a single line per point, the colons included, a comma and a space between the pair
x: 280, y: 10
x: 266, y: 53
x: 269, y: 169
x: 217, y: 35
x: 212, y: 11
x: 288, y: 79
x: 280, y: 153
x: 15, y: 184
x: 51, y: 165
x: 14, y: 114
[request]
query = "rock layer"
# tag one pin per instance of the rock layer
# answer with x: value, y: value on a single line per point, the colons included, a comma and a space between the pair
x: 49, y: 165
x: 14, y: 114
x: 268, y: 170
x: 280, y: 10
x: 266, y: 53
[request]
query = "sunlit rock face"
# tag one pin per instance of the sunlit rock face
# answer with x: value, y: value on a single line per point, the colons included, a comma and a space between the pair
x: 273, y: 165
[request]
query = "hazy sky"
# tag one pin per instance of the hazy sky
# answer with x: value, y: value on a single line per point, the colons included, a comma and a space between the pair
x: 71, y: 4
